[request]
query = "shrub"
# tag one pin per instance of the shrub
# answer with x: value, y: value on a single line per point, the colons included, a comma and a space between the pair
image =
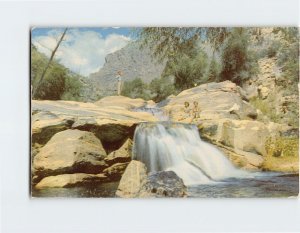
x: 238, y: 62
x: 187, y: 70
x: 161, y: 88
x: 136, y: 89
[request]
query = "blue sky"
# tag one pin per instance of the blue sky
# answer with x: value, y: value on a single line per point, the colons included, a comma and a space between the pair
x: 104, y: 31
x: 84, y: 48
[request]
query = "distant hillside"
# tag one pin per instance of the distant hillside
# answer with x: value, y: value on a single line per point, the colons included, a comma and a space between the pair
x: 59, y: 82
x: 133, y: 61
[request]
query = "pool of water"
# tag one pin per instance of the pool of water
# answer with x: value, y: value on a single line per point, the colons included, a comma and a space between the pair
x: 263, y: 185
x: 100, y: 190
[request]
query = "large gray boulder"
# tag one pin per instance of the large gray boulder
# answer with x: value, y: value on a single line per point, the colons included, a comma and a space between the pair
x: 163, y: 184
x: 70, y: 151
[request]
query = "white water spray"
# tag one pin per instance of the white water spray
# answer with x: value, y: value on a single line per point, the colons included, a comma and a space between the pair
x: 178, y: 147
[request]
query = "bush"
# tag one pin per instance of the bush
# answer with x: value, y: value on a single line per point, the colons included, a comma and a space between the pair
x: 238, y: 62
x: 58, y: 83
x: 187, y: 70
x: 72, y: 89
x: 136, y: 89
x: 53, y: 85
x: 213, y: 73
x: 161, y: 88
x: 266, y: 107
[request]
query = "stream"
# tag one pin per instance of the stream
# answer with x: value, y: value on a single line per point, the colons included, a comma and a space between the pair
x: 204, y: 169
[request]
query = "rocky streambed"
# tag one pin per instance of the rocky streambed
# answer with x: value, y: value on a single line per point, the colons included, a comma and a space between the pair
x: 84, y: 149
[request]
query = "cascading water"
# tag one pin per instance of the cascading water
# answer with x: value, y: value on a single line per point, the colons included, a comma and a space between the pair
x: 178, y: 147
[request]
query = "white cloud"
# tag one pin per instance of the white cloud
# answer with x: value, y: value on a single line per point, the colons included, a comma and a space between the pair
x: 82, y: 51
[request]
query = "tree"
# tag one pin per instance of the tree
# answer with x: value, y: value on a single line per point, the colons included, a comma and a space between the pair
x: 40, y: 81
x: 53, y: 85
x: 213, y: 73
x: 169, y: 42
x: 161, y: 88
x: 59, y: 82
x: 237, y: 60
x: 136, y: 89
x: 188, y: 71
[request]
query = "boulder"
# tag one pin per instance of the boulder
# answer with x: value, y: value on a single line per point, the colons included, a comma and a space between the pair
x: 216, y: 101
x: 245, y: 135
x: 123, y: 154
x: 70, y: 180
x: 163, y: 184
x: 132, y: 180
x: 115, y: 171
x: 136, y: 183
x: 70, y: 151
x: 45, y: 125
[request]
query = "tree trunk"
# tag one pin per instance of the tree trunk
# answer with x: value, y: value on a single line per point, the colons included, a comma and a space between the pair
x: 48, y: 64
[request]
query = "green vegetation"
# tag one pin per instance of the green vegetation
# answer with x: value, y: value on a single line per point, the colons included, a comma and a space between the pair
x: 266, y: 107
x: 188, y: 62
x: 161, y: 88
x: 282, y: 154
x: 157, y: 90
x: 59, y: 82
x: 214, y: 71
x: 238, y: 61
x: 188, y: 70
x: 136, y: 89
x: 282, y: 146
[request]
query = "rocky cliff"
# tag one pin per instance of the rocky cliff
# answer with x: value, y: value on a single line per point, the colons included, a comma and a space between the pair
x: 132, y: 60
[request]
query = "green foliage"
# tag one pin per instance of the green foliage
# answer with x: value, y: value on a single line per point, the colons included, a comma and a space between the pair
x: 161, y: 88
x: 72, y: 88
x: 179, y: 46
x: 270, y: 50
x: 53, y: 85
x: 282, y: 146
x: 59, y: 82
x: 136, y: 89
x: 238, y: 62
x: 214, y: 70
x: 288, y: 57
x: 266, y: 107
x: 188, y: 70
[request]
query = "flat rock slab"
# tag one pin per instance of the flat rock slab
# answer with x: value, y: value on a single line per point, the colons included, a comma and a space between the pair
x: 70, y: 180
x: 111, y: 118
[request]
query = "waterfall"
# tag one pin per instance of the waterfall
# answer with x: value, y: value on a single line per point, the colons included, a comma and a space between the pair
x: 178, y: 147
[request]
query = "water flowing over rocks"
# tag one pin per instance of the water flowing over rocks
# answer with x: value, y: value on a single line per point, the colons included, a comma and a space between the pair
x: 75, y: 143
x: 228, y: 120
